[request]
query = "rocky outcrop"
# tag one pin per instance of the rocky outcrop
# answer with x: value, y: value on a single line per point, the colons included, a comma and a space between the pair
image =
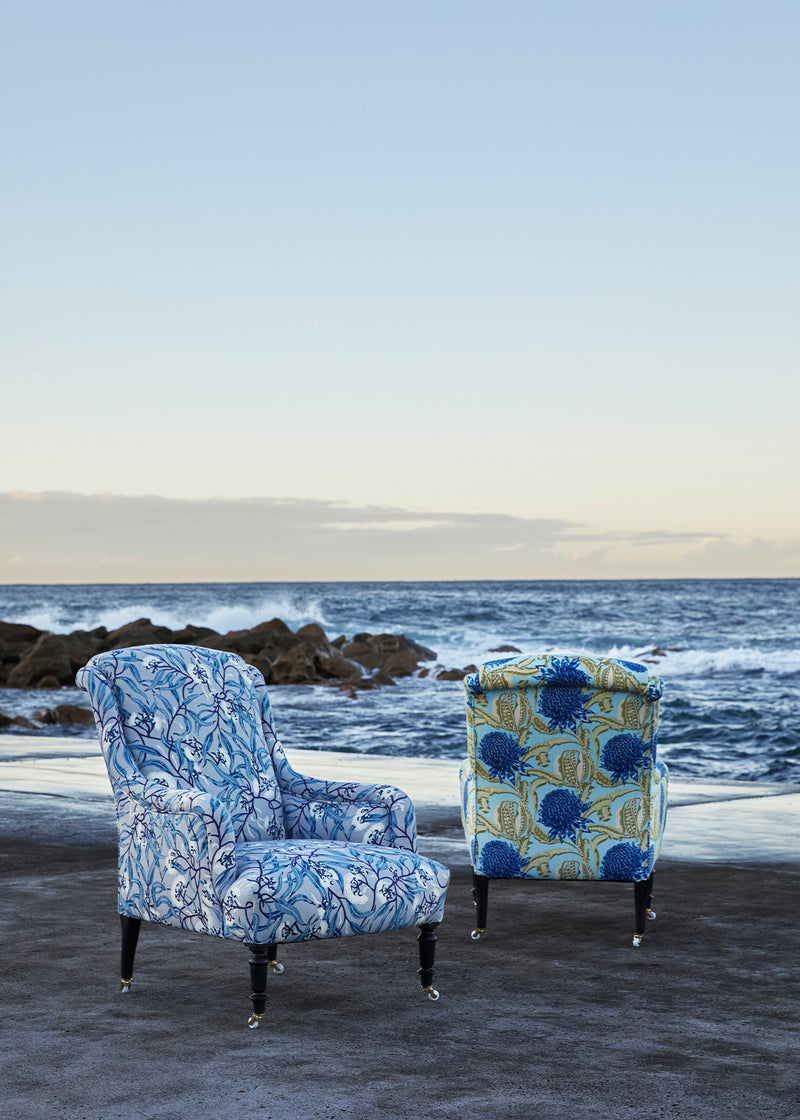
x: 48, y: 659
x: 18, y: 721
x: 35, y: 659
x: 376, y: 651
x: 65, y: 714
x: 31, y: 658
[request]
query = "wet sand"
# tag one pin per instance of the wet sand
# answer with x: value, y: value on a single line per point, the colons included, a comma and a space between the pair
x: 551, y: 1014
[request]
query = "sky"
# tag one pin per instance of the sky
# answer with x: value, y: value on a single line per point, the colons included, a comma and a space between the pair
x: 418, y: 290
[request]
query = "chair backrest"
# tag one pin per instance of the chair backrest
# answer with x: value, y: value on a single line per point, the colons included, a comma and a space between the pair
x: 189, y: 717
x: 562, y: 777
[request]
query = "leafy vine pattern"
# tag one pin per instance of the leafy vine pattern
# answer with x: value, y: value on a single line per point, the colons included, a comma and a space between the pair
x: 219, y: 834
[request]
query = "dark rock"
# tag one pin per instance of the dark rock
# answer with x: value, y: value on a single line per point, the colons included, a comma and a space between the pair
x: 211, y: 641
x: 243, y: 641
x: 192, y: 635
x: 49, y: 657
x: 374, y: 650
x: 18, y: 639
x: 39, y: 659
x: 5, y: 720
x: 82, y: 645
x: 275, y: 635
x: 334, y: 665
x: 295, y: 666
x: 64, y: 714
x: 364, y: 684
x: 451, y: 675
x: 401, y: 664
x: 49, y: 682
x: 277, y: 625
x: 13, y: 631
x: 23, y: 721
x: 261, y: 662
x: 505, y: 649
x: 313, y: 634
x: 72, y: 713
x: 360, y: 649
x: 142, y: 632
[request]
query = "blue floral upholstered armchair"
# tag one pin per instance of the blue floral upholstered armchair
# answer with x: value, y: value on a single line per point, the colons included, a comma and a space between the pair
x: 218, y: 834
x: 562, y: 780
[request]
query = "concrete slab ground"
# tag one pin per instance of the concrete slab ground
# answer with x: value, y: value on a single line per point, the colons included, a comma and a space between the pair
x: 552, y: 1014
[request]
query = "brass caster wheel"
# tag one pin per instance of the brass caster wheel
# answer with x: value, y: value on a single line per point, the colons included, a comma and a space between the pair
x: 276, y: 966
x: 125, y: 985
x: 637, y: 940
x: 651, y: 914
x: 254, y: 1022
x: 431, y: 993
x: 476, y: 934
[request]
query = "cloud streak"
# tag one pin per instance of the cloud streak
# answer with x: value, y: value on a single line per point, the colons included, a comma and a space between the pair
x: 86, y: 538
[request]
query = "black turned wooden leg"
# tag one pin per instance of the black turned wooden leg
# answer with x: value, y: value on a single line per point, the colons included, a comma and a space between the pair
x: 480, y: 895
x: 642, y: 894
x: 259, y: 967
x: 272, y: 958
x: 130, y: 936
x: 427, y: 953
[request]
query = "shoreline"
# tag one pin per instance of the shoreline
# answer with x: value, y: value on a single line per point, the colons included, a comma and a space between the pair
x: 709, y: 820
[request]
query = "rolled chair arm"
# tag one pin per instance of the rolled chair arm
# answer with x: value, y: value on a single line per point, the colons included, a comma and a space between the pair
x: 315, y: 809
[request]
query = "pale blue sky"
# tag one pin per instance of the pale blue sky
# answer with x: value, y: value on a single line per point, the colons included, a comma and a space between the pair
x: 522, y: 260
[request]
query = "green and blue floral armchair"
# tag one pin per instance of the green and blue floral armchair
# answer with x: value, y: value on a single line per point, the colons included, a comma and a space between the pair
x: 218, y: 834
x: 562, y: 779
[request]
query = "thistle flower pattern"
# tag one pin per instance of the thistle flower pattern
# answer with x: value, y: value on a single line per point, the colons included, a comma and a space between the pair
x: 500, y: 860
x: 623, y: 756
x: 625, y: 862
x: 565, y: 671
x: 563, y: 708
x: 563, y: 814
x: 599, y: 814
x: 563, y: 703
x: 501, y: 754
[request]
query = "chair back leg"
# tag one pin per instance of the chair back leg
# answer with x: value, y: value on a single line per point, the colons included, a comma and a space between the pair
x: 480, y: 896
x: 642, y: 895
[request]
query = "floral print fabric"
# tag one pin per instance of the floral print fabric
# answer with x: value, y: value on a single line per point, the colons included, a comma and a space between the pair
x: 219, y: 834
x: 301, y: 889
x: 562, y: 779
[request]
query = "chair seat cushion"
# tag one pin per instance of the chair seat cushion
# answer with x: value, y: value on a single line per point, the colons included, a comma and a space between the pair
x: 302, y: 890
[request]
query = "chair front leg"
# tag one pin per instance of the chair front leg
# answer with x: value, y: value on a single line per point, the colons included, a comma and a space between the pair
x: 130, y: 936
x: 480, y: 895
x: 259, y: 967
x: 642, y: 894
x: 427, y: 953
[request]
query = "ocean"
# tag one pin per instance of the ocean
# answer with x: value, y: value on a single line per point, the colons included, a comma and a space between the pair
x: 728, y: 651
